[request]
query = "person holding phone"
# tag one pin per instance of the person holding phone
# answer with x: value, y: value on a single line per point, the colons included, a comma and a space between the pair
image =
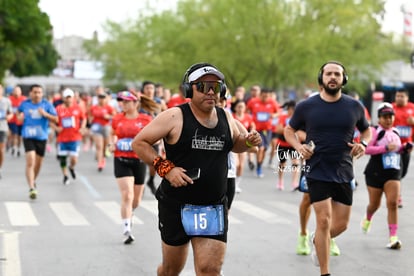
x: 197, y: 134
x: 330, y: 162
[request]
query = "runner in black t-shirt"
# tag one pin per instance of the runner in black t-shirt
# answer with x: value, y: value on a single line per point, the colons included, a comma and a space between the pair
x: 329, y: 120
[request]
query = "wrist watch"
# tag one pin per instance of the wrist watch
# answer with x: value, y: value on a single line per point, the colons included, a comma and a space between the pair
x: 364, y: 143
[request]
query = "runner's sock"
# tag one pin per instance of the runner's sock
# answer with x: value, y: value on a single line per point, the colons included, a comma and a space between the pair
x: 127, y: 225
x: 393, y: 229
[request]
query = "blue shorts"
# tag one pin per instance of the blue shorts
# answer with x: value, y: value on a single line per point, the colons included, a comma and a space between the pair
x: 15, y: 129
x: 68, y: 148
x: 266, y: 136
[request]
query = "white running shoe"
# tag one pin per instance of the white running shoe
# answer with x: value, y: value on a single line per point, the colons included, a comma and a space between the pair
x: 314, y: 256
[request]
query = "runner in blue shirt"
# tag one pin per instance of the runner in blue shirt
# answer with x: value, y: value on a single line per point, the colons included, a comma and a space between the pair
x: 35, y: 112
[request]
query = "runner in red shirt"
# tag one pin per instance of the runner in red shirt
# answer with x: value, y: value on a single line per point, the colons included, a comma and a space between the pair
x: 100, y: 116
x: 404, y: 122
x: 84, y: 101
x: 15, y: 126
x: 129, y: 170
x: 263, y: 110
x: 238, y: 109
x: 178, y: 99
x: 357, y: 134
x: 284, y: 150
x: 72, y: 121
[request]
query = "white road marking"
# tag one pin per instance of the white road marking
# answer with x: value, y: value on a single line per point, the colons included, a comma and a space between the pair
x: 67, y: 214
x: 259, y: 213
x: 10, y: 260
x: 112, y: 210
x: 21, y: 214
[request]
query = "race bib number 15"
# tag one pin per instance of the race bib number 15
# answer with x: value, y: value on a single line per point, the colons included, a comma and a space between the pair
x: 203, y: 220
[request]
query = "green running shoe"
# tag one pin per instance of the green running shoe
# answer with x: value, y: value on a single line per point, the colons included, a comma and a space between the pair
x: 334, y: 249
x: 302, y: 248
x: 32, y: 193
x: 365, y: 225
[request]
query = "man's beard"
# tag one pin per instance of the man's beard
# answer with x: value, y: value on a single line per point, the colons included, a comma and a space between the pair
x: 331, y: 91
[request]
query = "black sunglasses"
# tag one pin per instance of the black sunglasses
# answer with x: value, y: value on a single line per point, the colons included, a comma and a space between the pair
x: 205, y: 86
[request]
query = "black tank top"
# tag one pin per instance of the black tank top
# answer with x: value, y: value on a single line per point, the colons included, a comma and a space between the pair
x: 204, y: 148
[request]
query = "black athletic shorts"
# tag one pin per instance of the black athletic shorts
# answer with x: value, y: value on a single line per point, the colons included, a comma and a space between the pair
x: 39, y: 146
x: 378, y: 181
x: 130, y: 167
x: 321, y: 190
x: 169, y: 221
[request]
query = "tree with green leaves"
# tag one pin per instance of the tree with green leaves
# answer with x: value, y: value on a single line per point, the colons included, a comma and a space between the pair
x: 276, y: 43
x: 25, y: 39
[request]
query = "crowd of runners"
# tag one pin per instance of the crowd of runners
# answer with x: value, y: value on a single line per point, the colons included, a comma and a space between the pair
x: 106, y: 123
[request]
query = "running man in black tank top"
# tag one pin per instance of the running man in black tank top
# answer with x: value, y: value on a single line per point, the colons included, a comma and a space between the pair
x: 197, y: 137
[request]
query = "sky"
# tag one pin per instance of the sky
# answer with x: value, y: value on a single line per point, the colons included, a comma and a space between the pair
x: 83, y: 17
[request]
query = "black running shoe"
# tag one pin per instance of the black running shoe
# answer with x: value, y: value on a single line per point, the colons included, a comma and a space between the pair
x: 65, y: 180
x: 72, y: 172
x: 130, y: 239
x: 251, y: 165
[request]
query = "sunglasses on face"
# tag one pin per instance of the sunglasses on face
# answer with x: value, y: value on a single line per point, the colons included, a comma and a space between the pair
x: 205, y: 86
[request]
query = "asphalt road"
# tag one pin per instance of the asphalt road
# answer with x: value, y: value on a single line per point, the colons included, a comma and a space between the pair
x: 76, y: 229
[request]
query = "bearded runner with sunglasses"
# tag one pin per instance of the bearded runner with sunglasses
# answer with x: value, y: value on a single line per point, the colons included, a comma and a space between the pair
x: 197, y: 137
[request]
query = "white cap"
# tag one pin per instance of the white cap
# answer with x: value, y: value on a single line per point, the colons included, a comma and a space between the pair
x: 68, y: 93
x: 206, y: 70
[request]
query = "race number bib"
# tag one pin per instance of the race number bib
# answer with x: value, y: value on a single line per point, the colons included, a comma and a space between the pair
x: 405, y: 131
x: 303, y: 185
x: 124, y: 144
x: 391, y: 160
x: 262, y: 116
x: 68, y: 122
x: 203, y: 220
x: 35, y: 114
x: 32, y: 132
